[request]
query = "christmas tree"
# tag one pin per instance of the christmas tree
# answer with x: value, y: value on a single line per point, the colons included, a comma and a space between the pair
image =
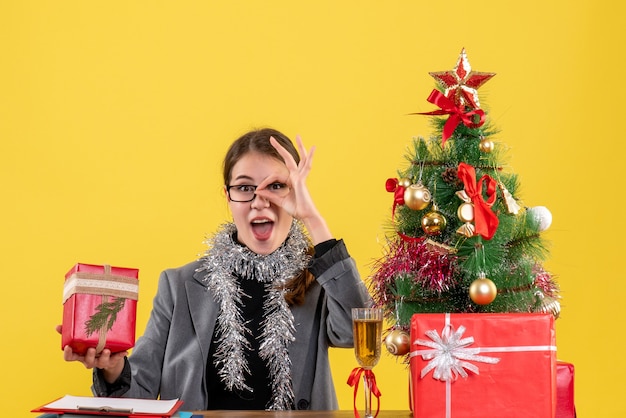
x: 460, y: 239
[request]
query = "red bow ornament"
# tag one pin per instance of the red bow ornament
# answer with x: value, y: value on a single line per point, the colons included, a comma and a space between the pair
x: 368, y: 379
x: 457, y: 114
x: 485, y: 220
x: 393, y: 186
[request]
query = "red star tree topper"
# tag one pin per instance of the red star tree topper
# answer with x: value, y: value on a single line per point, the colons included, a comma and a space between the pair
x: 461, y: 82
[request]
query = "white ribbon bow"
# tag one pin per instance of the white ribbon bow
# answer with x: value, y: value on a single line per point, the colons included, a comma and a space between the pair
x: 449, y: 354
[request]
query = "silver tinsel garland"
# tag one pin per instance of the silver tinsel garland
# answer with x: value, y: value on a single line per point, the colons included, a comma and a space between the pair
x: 223, y: 262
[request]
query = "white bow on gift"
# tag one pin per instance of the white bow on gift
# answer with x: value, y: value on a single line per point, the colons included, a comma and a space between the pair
x: 449, y: 355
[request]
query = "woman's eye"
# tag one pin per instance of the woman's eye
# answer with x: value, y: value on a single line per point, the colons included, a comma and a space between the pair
x: 246, y: 188
x: 277, y: 186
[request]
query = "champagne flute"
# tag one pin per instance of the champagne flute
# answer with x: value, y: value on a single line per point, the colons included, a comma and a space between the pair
x: 367, y: 327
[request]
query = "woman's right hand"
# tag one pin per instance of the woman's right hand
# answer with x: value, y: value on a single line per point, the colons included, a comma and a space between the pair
x: 111, y: 364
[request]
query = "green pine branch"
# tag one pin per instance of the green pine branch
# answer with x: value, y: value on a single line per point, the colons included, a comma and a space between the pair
x: 105, y: 316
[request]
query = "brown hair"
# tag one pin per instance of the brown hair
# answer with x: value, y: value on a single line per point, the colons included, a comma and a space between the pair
x: 258, y: 140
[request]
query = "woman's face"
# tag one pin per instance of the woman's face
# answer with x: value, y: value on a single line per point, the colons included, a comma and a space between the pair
x: 261, y: 226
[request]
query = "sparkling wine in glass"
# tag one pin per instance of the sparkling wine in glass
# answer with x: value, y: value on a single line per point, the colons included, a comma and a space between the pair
x: 367, y: 327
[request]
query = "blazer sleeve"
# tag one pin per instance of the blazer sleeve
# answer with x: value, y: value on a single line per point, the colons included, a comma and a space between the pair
x: 343, y: 288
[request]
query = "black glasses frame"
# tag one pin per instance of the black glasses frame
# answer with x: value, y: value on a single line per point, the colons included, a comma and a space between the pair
x: 239, y: 185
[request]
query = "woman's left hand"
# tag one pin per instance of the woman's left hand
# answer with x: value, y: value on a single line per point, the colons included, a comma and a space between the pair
x: 298, y: 202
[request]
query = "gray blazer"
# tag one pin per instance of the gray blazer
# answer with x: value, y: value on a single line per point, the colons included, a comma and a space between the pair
x: 169, y: 359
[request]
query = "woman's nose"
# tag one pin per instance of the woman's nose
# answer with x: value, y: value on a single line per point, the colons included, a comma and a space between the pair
x: 259, y: 202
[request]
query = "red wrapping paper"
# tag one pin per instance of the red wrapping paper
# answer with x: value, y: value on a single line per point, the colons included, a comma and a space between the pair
x: 516, y: 366
x: 565, y: 390
x: 86, y: 288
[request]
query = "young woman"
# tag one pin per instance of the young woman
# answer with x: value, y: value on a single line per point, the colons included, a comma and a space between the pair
x: 248, y: 326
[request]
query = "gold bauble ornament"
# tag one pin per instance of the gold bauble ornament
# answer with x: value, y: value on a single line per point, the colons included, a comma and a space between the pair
x: 404, y: 182
x: 483, y: 291
x: 417, y: 197
x: 486, y: 146
x: 398, y: 342
x: 433, y: 223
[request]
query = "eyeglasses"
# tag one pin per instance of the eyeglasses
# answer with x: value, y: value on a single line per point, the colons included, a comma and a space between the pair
x: 247, y: 192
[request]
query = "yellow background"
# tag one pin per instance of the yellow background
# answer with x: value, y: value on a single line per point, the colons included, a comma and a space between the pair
x: 114, y: 117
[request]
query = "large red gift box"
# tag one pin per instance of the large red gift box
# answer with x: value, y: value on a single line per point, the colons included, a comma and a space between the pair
x: 99, y: 308
x: 483, y: 365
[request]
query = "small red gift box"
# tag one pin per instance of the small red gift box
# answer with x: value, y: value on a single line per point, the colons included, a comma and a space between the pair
x: 483, y: 365
x: 565, y: 407
x: 99, y: 308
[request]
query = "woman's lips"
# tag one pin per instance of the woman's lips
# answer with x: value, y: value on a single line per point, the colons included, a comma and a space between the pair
x: 262, y: 230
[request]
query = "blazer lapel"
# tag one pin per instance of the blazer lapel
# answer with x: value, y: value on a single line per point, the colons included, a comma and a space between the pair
x: 303, y: 359
x: 203, y: 311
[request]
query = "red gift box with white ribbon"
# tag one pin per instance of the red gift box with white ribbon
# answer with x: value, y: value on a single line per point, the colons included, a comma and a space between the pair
x: 99, y: 308
x: 483, y: 365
